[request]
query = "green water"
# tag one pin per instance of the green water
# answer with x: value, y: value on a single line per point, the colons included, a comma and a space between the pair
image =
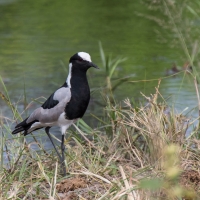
x: 38, y: 37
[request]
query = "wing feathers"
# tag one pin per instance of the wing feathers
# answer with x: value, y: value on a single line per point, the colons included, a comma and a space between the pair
x: 48, y: 113
x: 56, y: 97
x: 50, y: 103
x: 23, y: 126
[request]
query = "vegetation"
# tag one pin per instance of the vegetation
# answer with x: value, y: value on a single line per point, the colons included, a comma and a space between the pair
x: 137, y: 151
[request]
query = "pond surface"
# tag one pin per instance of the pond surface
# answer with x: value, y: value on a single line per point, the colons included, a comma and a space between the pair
x: 38, y: 37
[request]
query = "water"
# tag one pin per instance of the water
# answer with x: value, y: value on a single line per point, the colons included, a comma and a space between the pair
x: 38, y: 37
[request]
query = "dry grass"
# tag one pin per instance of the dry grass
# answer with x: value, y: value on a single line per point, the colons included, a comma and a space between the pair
x: 143, y: 154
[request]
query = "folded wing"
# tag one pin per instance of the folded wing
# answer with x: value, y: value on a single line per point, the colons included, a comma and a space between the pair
x: 47, y: 114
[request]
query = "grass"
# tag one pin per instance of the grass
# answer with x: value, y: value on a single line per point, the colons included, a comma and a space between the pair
x: 137, y: 151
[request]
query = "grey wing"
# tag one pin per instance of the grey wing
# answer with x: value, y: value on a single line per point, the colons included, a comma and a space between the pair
x: 51, y: 115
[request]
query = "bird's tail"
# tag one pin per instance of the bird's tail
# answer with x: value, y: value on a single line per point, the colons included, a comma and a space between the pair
x: 23, y: 126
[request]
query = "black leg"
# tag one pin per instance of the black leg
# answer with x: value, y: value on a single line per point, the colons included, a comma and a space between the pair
x: 62, y: 158
x: 47, y: 132
x: 63, y: 155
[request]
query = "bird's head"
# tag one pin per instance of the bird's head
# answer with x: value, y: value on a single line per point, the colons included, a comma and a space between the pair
x: 82, y: 61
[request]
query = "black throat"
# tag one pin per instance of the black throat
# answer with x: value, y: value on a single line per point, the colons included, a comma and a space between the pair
x: 80, y: 95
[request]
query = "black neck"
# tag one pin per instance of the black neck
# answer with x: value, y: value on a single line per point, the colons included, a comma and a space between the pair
x: 78, y: 80
x: 80, y: 95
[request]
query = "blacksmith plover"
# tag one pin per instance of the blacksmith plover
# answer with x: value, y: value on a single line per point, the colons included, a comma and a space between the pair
x: 65, y: 106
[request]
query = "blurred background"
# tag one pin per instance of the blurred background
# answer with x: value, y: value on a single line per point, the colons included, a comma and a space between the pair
x: 38, y: 37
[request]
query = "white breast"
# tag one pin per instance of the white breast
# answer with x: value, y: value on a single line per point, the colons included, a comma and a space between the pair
x: 64, y: 123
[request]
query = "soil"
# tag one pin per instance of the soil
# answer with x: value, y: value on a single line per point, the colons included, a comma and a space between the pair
x: 190, y: 178
x: 74, y: 188
x: 71, y: 184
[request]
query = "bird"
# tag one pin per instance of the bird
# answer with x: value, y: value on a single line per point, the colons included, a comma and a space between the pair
x: 63, y: 107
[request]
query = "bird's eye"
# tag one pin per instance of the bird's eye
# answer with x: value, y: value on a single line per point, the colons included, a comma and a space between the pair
x: 80, y: 59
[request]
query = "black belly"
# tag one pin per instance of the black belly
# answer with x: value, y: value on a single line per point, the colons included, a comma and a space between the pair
x: 77, y: 106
